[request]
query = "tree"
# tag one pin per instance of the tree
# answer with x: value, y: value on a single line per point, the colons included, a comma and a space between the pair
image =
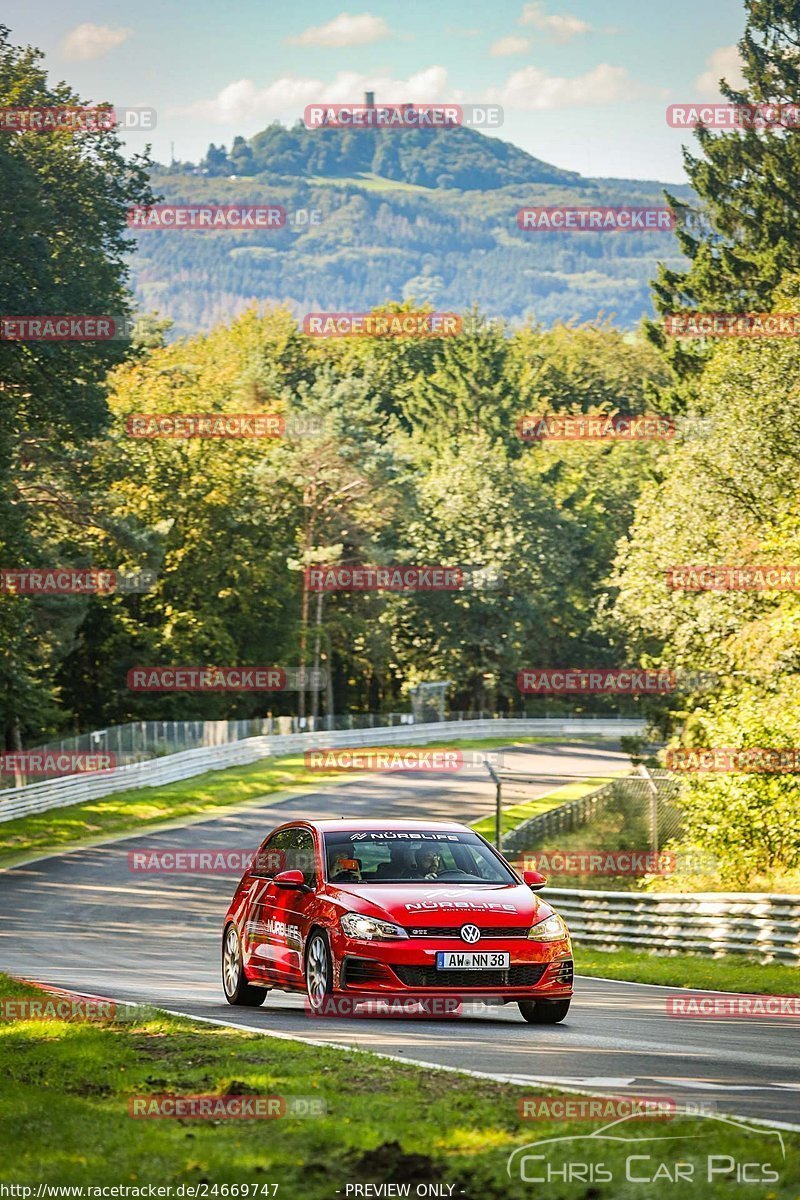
x: 241, y: 157
x: 62, y: 251
x: 338, y: 490
x: 216, y: 161
x: 727, y: 496
x: 745, y: 237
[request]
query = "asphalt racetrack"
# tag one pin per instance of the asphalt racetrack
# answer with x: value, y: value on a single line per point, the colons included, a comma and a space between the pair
x: 83, y: 920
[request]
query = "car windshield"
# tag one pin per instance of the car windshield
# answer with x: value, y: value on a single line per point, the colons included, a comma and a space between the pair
x: 403, y: 856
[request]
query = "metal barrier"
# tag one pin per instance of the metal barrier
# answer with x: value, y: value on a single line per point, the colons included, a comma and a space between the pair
x: 649, y: 791
x: 562, y: 819
x: 713, y: 923
x: 137, y: 741
x: 73, y: 789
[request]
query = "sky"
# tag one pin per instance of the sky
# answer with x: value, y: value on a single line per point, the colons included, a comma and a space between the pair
x: 583, y: 85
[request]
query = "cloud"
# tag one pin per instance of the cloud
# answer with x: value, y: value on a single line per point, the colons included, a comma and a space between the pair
x: 560, y: 27
x: 509, y: 45
x: 533, y: 88
x: 344, y: 30
x: 244, y: 101
x: 92, y: 41
x: 723, y: 63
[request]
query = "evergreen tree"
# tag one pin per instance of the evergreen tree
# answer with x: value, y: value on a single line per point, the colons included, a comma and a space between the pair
x: 747, y: 235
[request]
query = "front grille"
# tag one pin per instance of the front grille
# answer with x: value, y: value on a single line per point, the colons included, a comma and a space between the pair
x: 454, y: 931
x: 522, y: 975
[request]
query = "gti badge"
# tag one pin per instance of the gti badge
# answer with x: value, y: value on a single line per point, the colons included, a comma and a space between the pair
x: 470, y: 934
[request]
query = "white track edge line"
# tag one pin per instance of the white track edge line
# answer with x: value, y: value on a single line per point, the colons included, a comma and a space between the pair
x: 514, y: 1080
x: 416, y: 1062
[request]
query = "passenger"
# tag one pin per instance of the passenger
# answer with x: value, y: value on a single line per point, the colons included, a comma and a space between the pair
x: 346, y: 870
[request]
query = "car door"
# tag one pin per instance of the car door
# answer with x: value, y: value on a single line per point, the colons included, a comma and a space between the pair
x: 269, y: 860
x: 284, y: 913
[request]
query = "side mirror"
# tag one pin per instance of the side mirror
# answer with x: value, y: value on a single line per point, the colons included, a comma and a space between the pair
x: 289, y: 879
x: 534, y: 879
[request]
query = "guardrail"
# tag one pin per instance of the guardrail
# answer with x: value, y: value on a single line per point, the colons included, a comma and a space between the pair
x: 698, y: 923
x: 74, y: 789
x: 563, y: 819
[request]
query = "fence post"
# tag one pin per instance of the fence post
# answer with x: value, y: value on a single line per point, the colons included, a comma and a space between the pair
x: 643, y: 771
x: 498, y: 812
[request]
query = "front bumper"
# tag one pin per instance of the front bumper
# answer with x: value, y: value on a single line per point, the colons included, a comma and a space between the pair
x: 537, y: 969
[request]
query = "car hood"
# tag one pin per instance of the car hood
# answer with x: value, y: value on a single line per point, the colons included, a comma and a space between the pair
x: 442, y: 905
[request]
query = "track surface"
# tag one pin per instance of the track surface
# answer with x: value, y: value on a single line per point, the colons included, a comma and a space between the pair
x: 83, y: 920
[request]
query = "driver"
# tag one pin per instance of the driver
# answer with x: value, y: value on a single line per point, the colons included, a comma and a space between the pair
x: 428, y: 863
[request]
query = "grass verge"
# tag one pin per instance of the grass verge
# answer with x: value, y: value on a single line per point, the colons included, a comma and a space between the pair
x: 733, y: 973
x: 65, y: 1090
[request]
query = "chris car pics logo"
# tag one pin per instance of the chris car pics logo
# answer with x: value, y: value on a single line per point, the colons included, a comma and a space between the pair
x: 620, y: 1153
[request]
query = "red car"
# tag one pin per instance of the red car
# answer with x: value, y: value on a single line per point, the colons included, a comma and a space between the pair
x: 349, y: 908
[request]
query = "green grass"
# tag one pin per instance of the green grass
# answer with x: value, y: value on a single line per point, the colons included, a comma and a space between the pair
x: 65, y: 1089
x: 515, y: 814
x: 94, y: 820
x: 733, y: 973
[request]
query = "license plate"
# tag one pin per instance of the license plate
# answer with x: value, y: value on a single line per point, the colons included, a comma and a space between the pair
x: 472, y: 960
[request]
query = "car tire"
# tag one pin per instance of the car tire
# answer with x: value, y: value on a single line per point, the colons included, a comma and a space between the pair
x: 234, y: 984
x: 543, y: 1012
x: 318, y: 970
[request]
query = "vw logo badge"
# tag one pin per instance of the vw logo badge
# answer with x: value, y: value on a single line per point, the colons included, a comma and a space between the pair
x: 470, y: 934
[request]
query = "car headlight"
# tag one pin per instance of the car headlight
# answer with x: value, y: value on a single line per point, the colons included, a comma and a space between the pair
x: 552, y: 929
x: 370, y: 930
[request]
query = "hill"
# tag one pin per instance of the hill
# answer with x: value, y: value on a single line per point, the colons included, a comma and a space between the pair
x: 428, y: 214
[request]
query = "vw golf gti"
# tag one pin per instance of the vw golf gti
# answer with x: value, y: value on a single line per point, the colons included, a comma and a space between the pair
x: 367, y: 909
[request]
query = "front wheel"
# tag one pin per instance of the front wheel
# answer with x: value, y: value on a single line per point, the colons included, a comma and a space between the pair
x: 237, y: 989
x: 543, y: 1012
x: 319, y: 971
